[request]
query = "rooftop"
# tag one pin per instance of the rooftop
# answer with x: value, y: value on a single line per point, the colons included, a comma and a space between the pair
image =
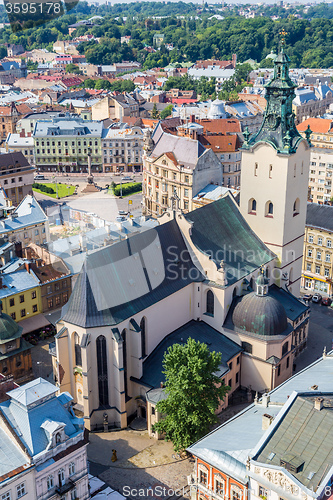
x: 319, y: 216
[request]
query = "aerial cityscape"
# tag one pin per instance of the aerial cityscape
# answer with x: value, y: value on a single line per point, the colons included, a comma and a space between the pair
x: 166, y: 250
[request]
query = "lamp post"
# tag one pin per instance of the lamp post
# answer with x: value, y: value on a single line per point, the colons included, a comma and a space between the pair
x: 56, y: 183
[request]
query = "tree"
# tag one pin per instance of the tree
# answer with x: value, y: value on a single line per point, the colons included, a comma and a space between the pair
x: 154, y: 113
x: 166, y: 112
x: 193, y: 391
x: 73, y: 68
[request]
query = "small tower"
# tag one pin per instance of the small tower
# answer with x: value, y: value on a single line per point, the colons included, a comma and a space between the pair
x: 274, y: 179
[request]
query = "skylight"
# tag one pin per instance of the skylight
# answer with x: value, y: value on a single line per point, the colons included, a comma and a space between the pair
x: 271, y: 456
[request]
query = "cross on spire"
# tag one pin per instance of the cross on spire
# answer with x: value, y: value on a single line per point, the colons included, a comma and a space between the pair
x: 283, y: 34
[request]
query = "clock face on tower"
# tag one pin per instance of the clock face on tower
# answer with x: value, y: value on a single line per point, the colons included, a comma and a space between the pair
x: 272, y: 121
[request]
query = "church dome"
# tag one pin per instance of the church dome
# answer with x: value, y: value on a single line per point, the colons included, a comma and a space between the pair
x: 216, y: 110
x: 260, y: 314
x: 9, y: 329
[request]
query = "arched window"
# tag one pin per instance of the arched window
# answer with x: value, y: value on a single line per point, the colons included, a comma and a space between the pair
x: 102, y: 371
x: 77, y: 347
x: 269, y: 209
x: 252, y: 206
x: 61, y: 477
x: 123, y: 336
x: 143, y: 327
x: 210, y: 303
x: 296, y: 207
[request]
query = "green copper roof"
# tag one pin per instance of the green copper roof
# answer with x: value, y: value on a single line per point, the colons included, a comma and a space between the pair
x: 9, y: 329
x: 278, y: 128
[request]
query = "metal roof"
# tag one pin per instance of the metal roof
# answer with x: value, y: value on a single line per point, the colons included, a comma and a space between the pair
x: 220, y: 230
x: 319, y: 216
x: 28, y: 213
x: 197, y: 330
x: 11, y: 457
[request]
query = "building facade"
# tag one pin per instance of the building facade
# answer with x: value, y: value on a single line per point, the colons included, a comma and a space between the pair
x: 122, y: 150
x: 23, y: 144
x: 317, y: 271
x: 63, y: 144
x: 16, y: 176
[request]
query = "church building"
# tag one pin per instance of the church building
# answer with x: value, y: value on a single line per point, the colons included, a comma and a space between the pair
x: 222, y: 274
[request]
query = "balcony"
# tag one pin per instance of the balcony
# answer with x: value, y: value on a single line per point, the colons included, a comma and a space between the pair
x: 64, y: 488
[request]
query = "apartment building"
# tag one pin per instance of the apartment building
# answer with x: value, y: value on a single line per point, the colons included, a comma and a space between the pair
x: 320, y: 178
x: 311, y: 101
x: 43, y: 445
x: 9, y: 116
x: 317, y: 270
x: 16, y: 176
x: 63, y: 144
x: 122, y: 149
x: 21, y: 143
x: 322, y: 131
x: 176, y: 168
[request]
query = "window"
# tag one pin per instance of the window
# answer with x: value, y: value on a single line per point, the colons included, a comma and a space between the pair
x: 49, y: 289
x: 77, y: 348
x: 327, y: 272
x: 21, y: 298
x: 203, y: 477
x: 210, y: 303
x: 64, y: 297
x: 74, y: 494
x: 13, y: 315
x: 34, y: 308
x: 237, y: 377
x: 57, y: 301
x: 71, y: 468
x: 296, y: 207
x: 318, y: 255
x: 49, y: 303
x: 320, y: 240
x: 236, y: 493
x: 61, y: 477
x: 219, y: 486
x: 310, y: 238
x: 230, y: 383
x: 309, y: 252
x: 308, y: 266
x: 256, y: 169
x: 328, y: 257
x: 270, y: 171
x: 263, y: 493
x: 269, y: 209
x: 102, y: 370
x: 143, y: 328
x: 288, y: 359
x: 50, y: 482
x: 33, y: 295
x: 186, y: 193
x: 329, y: 243
x: 317, y: 269
x: 279, y: 370
x: 252, y: 206
x: 23, y: 313
x: 285, y: 348
x: 11, y: 302
x: 20, y: 490
x: 6, y: 496
x: 238, y: 360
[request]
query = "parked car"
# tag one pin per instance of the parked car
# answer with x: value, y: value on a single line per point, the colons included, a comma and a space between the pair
x: 307, y: 296
x: 39, y: 177
x: 326, y: 301
x: 126, y: 179
x: 316, y: 298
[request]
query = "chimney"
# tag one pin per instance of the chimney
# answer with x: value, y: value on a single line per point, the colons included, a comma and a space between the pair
x: 27, y: 266
x: 266, y: 421
x: 319, y: 403
x: 265, y: 399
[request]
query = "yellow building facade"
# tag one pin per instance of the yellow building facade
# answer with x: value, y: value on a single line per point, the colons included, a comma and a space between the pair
x: 317, y: 272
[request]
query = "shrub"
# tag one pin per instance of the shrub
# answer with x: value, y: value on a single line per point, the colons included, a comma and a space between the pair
x: 128, y: 188
x: 43, y: 188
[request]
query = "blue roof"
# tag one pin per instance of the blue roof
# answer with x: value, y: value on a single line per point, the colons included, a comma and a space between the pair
x: 28, y: 213
x: 11, y: 457
x: 17, y: 282
x: 34, y: 408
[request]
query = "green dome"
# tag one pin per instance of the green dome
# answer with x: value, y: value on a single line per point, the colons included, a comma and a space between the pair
x: 9, y: 329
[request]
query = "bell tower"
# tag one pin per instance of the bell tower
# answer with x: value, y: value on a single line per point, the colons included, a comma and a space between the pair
x: 274, y: 178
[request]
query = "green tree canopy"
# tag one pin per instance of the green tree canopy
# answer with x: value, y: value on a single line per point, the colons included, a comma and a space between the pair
x: 193, y: 390
x: 73, y: 68
x: 166, y: 112
x: 154, y: 113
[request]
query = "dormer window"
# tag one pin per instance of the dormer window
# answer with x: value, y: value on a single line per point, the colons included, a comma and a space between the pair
x: 58, y: 438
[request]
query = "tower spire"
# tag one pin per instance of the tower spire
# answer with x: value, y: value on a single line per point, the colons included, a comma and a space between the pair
x: 278, y: 128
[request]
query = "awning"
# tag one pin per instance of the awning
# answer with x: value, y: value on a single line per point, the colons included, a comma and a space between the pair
x: 34, y: 323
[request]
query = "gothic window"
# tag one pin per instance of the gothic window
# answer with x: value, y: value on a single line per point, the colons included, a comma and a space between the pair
x: 102, y: 371
x: 210, y: 303
x: 269, y: 209
x: 252, y: 206
x: 296, y: 207
x: 123, y: 335
x: 143, y: 327
x: 77, y: 346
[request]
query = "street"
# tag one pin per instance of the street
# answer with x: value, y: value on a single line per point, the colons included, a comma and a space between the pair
x: 320, y: 335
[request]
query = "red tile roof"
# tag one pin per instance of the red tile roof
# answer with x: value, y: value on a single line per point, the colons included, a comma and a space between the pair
x: 220, y: 143
x: 318, y: 125
x: 220, y: 126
